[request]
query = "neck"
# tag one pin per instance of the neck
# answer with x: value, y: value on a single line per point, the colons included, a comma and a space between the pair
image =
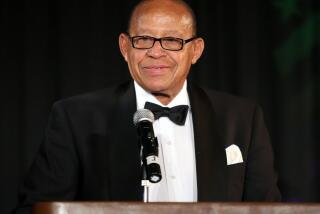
x: 165, y: 99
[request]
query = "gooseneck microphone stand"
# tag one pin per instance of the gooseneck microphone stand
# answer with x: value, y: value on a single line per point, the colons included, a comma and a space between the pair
x: 145, y: 183
x: 151, y: 171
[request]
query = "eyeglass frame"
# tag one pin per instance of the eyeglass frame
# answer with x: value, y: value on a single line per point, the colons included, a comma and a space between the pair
x: 183, y: 41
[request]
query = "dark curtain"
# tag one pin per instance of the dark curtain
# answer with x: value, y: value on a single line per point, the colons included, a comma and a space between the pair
x: 267, y: 51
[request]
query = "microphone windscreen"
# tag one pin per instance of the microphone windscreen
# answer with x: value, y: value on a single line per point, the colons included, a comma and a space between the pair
x: 142, y: 114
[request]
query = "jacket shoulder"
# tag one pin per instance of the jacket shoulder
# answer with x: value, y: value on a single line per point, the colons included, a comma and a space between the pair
x: 228, y: 102
x: 102, y: 97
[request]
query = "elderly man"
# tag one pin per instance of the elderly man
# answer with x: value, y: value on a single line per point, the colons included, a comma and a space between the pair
x: 220, y: 150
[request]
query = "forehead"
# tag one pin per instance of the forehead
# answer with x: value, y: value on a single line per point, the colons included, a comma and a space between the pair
x: 161, y: 18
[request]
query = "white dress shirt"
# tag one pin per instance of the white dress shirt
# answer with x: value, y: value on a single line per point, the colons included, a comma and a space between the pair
x: 176, y: 152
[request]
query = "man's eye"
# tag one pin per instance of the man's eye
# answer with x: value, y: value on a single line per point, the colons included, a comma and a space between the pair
x: 171, y: 40
x: 145, y: 39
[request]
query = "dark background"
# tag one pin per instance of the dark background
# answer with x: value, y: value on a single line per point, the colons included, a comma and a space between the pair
x: 268, y: 51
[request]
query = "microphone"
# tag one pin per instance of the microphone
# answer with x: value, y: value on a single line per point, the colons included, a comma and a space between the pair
x: 143, y: 119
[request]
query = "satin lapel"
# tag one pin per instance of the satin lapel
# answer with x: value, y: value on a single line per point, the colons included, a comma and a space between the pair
x: 209, y: 146
x: 125, y: 181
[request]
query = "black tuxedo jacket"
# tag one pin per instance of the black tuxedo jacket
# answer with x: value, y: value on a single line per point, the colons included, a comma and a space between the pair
x: 91, y: 152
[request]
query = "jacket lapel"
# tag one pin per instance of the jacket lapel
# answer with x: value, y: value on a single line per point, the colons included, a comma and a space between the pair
x: 126, y: 177
x: 209, y: 146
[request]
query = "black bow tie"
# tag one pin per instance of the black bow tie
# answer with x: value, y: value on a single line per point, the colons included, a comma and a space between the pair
x: 177, y: 114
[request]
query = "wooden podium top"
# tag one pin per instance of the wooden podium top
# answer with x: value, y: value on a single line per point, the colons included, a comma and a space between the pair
x: 175, y: 208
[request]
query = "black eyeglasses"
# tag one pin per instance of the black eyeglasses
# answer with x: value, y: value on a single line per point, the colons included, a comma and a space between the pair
x: 167, y: 43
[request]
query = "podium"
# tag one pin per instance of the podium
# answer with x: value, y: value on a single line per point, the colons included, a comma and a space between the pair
x: 174, y: 208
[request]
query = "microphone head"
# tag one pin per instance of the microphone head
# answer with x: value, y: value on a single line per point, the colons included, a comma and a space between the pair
x: 142, y: 114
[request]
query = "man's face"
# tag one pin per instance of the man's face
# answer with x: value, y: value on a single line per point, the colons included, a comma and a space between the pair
x: 157, y: 70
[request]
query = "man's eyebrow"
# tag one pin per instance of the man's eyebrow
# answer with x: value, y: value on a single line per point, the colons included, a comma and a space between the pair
x: 172, y: 32
x: 165, y: 32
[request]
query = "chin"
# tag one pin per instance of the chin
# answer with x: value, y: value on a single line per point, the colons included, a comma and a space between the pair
x: 156, y: 87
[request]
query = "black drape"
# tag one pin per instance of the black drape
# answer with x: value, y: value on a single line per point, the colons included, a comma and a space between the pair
x: 267, y: 51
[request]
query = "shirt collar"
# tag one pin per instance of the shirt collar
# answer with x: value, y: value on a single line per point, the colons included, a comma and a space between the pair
x: 143, y: 96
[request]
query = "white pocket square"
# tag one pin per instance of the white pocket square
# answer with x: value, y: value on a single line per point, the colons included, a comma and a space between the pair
x: 233, y: 154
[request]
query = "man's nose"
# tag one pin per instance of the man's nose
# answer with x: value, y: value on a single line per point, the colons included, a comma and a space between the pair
x: 156, y: 51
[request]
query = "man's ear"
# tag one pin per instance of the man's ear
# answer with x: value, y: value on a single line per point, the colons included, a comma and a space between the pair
x: 123, y: 45
x: 198, y: 47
